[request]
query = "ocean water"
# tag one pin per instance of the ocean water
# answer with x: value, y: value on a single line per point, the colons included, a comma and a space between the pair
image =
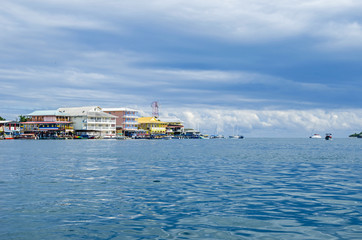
x: 181, y: 189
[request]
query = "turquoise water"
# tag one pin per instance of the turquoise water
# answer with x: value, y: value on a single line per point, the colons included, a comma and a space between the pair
x: 181, y: 189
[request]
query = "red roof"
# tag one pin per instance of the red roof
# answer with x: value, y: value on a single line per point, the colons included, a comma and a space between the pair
x: 43, y: 122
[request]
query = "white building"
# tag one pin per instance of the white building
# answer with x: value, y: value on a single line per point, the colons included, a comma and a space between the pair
x: 91, y: 121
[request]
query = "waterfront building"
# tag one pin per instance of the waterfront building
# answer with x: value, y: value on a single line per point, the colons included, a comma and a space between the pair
x: 126, y: 123
x: 152, y: 125
x: 91, y: 121
x: 48, y: 124
x: 9, y: 129
x: 49, y: 116
x: 174, y: 126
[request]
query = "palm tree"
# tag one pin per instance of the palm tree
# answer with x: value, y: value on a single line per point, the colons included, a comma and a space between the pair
x: 23, y: 118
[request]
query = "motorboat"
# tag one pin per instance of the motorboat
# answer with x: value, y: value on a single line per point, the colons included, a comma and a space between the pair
x: 109, y: 137
x: 236, y: 137
x: 120, y: 137
x: 328, y: 136
x: 317, y: 136
x: 203, y: 136
x: 27, y: 136
x: 217, y: 136
x: 84, y: 137
x: 9, y: 135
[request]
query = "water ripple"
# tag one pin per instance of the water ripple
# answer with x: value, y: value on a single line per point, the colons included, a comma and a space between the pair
x: 249, y: 189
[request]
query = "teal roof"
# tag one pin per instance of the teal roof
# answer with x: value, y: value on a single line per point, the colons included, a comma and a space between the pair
x: 47, y: 113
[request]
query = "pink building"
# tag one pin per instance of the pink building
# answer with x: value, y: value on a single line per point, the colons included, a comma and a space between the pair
x: 126, y: 122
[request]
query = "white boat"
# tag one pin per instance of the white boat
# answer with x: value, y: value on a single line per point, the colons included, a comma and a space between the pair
x: 27, y: 136
x: 109, y: 137
x: 217, y: 136
x: 236, y: 137
x: 316, y: 136
x: 8, y: 135
x: 202, y: 136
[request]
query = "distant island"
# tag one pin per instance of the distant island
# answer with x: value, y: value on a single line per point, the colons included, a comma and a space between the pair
x: 357, y: 135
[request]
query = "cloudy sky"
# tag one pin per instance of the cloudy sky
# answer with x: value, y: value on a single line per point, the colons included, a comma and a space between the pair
x: 254, y: 67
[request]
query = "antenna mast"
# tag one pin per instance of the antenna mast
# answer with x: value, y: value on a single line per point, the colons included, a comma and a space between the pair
x: 154, y: 106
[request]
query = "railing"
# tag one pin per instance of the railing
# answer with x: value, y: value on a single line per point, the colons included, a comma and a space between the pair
x: 101, y: 128
x: 130, y: 128
x: 6, y: 129
x: 157, y: 129
x: 133, y: 122
x: 99, y: 121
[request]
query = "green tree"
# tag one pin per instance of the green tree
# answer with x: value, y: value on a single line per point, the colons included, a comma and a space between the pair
x: 2, y: 119
x: 356, y: 134
x: 23, y: 118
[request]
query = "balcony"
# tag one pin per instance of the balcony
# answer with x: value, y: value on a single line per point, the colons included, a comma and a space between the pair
x: 130, y: 116
x: 130, y: 128
x: 100, y: 128
x: 130, y: 122
x: 99, y: 121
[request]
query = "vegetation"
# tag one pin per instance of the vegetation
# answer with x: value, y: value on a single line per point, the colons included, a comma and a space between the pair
x: 2, y: 119
x: 356, y: 135
x: 23, y: 118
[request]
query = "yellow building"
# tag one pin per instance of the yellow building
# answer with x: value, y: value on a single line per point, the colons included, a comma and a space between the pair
x: 152, y: 125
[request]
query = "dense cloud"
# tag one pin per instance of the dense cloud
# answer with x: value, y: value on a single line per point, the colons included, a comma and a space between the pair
x: 274, y: 123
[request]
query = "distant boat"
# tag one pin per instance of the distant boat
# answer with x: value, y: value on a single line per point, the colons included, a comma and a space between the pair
x: 217, y: 136
x: 120, y: 137
x: 328, y: 136
x: 203, y: 136
x: 27, y: 136
x: 84, y: 137
x: 236, y: 137
x: 316, y: 136
x: 9, y: 135
x: 109, y: 137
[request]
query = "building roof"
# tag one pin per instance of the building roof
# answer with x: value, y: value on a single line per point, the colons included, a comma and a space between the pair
x: 6, y: 121
x: 176, y: 126
x: 92, y: 111
x: 45, y: 122
x: 148, y: 120
x: 171, y: 119
x: 119, y: 109
x: 47, y: 113
x: 79, y: 111
x: 100, y: 114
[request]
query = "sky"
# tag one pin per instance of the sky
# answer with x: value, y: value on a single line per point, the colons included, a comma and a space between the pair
x: 281, y: 68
